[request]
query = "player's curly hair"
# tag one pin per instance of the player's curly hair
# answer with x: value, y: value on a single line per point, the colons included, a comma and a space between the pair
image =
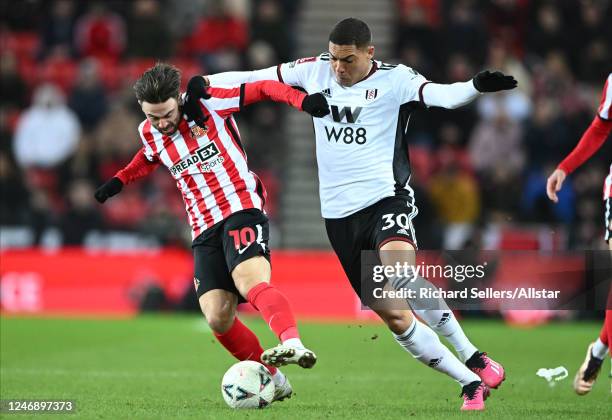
x: 158, y: 84
x: 351, y: 31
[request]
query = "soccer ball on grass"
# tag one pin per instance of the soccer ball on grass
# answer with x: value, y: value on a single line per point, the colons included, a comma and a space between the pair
x: 247, y: 384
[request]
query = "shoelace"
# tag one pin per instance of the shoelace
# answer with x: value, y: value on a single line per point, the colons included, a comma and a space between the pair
x: 469, y: 391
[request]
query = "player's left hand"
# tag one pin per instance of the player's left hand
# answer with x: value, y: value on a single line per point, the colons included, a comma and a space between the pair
x: 485, y: 81
x: 316, y: 105
x: 554, y: 184
x: 196, y: 89
x: 108, y: 189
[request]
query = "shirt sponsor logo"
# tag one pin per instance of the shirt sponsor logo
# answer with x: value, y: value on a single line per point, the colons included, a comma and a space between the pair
x: 202, y: 157
x: 347, y: 112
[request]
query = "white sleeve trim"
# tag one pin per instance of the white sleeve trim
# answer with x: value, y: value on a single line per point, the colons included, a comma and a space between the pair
x: 449, y: 96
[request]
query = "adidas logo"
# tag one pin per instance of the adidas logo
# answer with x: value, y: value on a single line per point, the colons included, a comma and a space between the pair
x: 444, y: 319
x: 326, y: 92
x: 403, y: 232
x: 494, y: 367
x: 435, y: 362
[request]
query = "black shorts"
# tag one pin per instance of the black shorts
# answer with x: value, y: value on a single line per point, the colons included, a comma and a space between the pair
x: 368, y: 230
x: 218, y: 250
x: 608, y: 219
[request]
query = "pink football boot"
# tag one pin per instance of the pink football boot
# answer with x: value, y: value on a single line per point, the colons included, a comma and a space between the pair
x: 474, y: 396
x: 491, y: 372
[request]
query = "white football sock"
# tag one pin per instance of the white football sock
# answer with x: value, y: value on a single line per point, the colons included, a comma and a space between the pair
x: 599, y: 349
x: 279, y: 378
x: 425, y: 346
x: 294, y: 342
x: 444, y: 323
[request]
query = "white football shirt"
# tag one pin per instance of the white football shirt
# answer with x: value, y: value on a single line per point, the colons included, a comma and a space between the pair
x: 362, y: 148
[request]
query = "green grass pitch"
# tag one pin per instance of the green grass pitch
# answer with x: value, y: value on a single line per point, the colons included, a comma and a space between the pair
x: 171, y: 367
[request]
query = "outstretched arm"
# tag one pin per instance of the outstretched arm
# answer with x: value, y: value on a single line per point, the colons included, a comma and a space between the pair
x: 589, y: 143
x: 239, y: 77
x: 458, y: 94
x: 138, y: 168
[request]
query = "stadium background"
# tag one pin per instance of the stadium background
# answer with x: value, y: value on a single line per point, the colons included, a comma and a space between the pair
x: 68, y: 121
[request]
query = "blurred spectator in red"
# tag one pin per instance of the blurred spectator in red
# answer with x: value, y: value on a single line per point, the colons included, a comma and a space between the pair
x: 100, y: 33
x: 88, y: 98
x: 48, y: 132
x: 57, y: 31
x: 219, y: 39
x: 429, y: 9
x: 82, y: 216
x: 148, y: 32
x: 14, y: 90
x: 507, y: 20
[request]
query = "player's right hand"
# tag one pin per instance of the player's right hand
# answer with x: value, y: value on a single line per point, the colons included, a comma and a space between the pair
x: 554, y: 184
x: 108, y: 189
x: 196, y: 89
x: 316, y: 105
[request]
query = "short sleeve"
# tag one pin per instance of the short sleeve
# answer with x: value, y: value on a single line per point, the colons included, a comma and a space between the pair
x: 295, y: 72
x: 408, y: 84
x: 606, y: 100
x: 148, y: 141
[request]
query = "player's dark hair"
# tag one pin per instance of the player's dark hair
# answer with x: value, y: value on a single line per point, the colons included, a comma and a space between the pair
x: 158, y: 84
x: 351, y: 31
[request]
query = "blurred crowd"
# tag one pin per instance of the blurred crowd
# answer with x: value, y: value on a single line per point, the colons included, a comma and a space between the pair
x: 68, y: 117
x: 485, y: 165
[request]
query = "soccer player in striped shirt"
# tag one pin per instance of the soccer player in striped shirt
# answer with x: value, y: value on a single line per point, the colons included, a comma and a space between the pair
x: 592, y: 139
x: 364, y: 173
x: 224, y: 202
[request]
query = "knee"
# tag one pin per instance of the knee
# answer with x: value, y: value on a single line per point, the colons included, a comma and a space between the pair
x: 398, y: 321
x: 220, y: 321
x: 249, y: 273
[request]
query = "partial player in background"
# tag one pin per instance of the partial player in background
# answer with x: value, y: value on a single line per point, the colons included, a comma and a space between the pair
x: 224, y: 203
x: 364, y: 173
x: 592, y: 139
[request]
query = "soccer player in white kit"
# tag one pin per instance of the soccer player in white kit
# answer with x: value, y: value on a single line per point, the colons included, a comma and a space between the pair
x: 364, y: 169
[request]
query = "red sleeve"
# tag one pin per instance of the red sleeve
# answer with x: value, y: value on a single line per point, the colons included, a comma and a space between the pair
x: 589, y: 143
x: 272, y: 90
x: 138, y: 168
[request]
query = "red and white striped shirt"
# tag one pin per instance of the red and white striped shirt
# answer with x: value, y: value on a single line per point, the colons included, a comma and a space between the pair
x: 209, y: 165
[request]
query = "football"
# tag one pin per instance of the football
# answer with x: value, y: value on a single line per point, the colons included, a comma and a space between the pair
x: 247, y: 384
